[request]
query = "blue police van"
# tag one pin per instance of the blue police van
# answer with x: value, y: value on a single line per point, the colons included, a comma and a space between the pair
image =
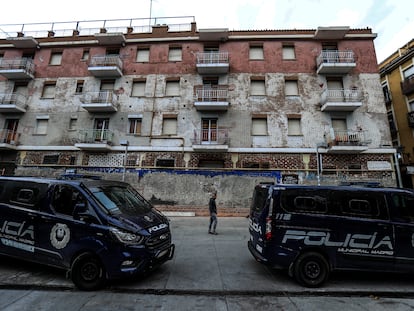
x: 311, y: 231
x: 97, y: 230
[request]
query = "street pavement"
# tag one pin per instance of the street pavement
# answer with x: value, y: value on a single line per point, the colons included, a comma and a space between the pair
x: 213, y: 265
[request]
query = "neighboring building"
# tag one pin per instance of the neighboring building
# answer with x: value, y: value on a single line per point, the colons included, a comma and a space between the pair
x: 397, y: 80
x: 188, y: 98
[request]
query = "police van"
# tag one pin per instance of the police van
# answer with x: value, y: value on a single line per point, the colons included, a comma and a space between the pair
x: 311, y: 231
x: 96, y: 230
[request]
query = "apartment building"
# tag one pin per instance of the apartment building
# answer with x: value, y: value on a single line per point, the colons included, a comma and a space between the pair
x: 397, y: 80
x: 303, y: 104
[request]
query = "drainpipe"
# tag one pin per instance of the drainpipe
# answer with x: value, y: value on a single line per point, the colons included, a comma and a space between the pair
x: 397, y: 168
x: 319, y: 161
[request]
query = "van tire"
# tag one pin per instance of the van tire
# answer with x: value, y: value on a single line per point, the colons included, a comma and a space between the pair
x: 87, y: 272
x: 311, y: 269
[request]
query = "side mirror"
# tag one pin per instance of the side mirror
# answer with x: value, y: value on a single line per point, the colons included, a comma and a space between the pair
x: 81, y: 212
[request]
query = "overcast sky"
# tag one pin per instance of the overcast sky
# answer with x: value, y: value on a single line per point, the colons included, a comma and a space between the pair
x: 391, y: 20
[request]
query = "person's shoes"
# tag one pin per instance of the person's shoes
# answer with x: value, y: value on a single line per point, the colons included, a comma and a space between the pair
x: 210, y: 232
x: 214, y: 232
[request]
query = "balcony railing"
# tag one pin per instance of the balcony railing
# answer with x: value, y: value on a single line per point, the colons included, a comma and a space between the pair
x: 212, y: 62
x: 106, y: 66
x: 22, y: 68
x: 347, y: 137
x: 341, y: 99
x: 208, y: 98
x: 211, y: 137
x: 9, y: 137
x: 407, y: 86
x: 96, y: 136
x: 102, y: 101
x: 340, y: 62
x: 12, y: 102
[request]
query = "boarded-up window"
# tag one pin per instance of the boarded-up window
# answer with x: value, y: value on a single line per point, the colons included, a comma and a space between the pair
x: 174, y: 54
x: 256, y: 53
x: 49, y: 90
x: 294, y: 127
x: 55, y: 59
x: 172, y: 88
x: 169, y: 126
x: 291, y: 88
x: 41, y: 126
x: 289, y: 52
x: 143, y: 55
x: 339, y: 124
x: 257, y: 87
x: 259, y: 126
x: 138, y: 88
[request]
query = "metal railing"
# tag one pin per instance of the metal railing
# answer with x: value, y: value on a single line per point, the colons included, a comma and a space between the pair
x: 328, y: 56
x: 410, y: 117
x: 106, y: 61
x: 347, y: 137
x: 100, y: 97
x: 341, y: 95
x: 212, y: 57
x: 24, y: 63
x: 211, y: 94
x: 13, y: 99
x: 9, y: 137
x: 407, y: 86
x: 212, y: 136
x: 91, y: 136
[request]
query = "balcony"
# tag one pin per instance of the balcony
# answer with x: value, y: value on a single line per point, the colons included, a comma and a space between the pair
x: 17, y: 69
x: 103, y: 101
x: 12, y: 103
x: 341, y: 100
x: 109, y: 66
x: 407, y: 86
x: 8, y: 139
x: 335, y: 62
x: 211, y: 99
x: 213, y: 140
x: 95, y: 140
x: 410, y: 117
x: 212, y: 63
x: 346, y: 141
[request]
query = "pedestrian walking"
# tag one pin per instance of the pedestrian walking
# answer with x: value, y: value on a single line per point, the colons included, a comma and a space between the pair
x: 213, y: 214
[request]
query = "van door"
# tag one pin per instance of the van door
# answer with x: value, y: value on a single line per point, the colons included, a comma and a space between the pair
x: 60, y: 234
x: 402, y: 213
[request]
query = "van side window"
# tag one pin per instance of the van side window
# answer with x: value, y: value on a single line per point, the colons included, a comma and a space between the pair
x: 306, y: 201
x: 361, y: 204
x: 65, y: 198
x: 405, y: 206
x: 25, y: 196
x: 259, y: 198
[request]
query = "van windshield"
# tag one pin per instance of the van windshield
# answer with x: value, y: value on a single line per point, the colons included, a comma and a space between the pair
x: 121, y: 199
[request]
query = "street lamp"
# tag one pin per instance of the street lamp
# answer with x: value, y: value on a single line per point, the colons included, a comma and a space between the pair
x: 126, y: 144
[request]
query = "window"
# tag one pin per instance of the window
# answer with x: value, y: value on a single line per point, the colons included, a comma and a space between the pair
x: 56, y: 59
x: 165, y: 163
x: 169, y: 125
x: 79, y: 87
x: 41, y: 126
x: 134, y: 125
x: 294, y: 127
x: 256, y: 53
x: 49, y: 90
x: 51, y: 159
x: 138, y: 88
x: 308, y: 201
x: 85, y: 55
x: 259, y: 126
x: 408, y: 72
x: 172, y: 88
x: 107, y: 85
x: 288, y: 52
x: 72, y: 123
x: 174, y: 54
x: 404, y: 204
x: 143, y: 55
x: 291, y: 88
x: 257, y: 87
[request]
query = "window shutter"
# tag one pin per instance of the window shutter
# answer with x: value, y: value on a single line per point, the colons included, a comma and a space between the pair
x: 289, y: 52
x: 259, y: 127
x: 174, y: 54
x: 143, y: 56
x: 138, y: 88
x: 291, y: 88
x: 256, y: 52
x: 294, y: 127
x: 257, y: 87
x: 169, y: 126
x: 173, y: 88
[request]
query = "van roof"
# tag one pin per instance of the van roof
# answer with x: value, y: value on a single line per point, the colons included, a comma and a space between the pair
x: 75, y: 181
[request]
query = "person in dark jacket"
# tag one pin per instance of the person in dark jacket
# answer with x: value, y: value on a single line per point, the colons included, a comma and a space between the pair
x: 213, y: 214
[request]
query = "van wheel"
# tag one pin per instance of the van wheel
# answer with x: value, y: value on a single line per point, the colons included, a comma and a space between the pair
x: 311, y: 269
x: 87, y: 272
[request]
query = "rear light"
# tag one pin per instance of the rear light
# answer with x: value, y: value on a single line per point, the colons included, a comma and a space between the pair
x: 268, y: 233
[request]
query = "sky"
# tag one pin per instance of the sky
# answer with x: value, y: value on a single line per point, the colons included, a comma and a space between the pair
x: 391, y: 20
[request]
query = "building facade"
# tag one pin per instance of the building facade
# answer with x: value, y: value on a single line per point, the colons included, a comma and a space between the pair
x: 397, y: 80
x: 304, y: 103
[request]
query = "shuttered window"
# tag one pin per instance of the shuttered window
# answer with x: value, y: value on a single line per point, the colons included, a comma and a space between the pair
x: 289, y: 52
x: 169, y: 126
x: 256, y: 53
x: 259, y: 126
x: 257, y: 87
x: 172, y: 88
x: 143, y: 55
x: 138, y: 88
x: 49, y: 91
x: 55, y: 59
x: 291, y: 88
x: 174, y: 55
x: 294, y: 127
x: 41, y: 126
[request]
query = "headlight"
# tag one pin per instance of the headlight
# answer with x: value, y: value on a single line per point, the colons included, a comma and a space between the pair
x: 126, y: 237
